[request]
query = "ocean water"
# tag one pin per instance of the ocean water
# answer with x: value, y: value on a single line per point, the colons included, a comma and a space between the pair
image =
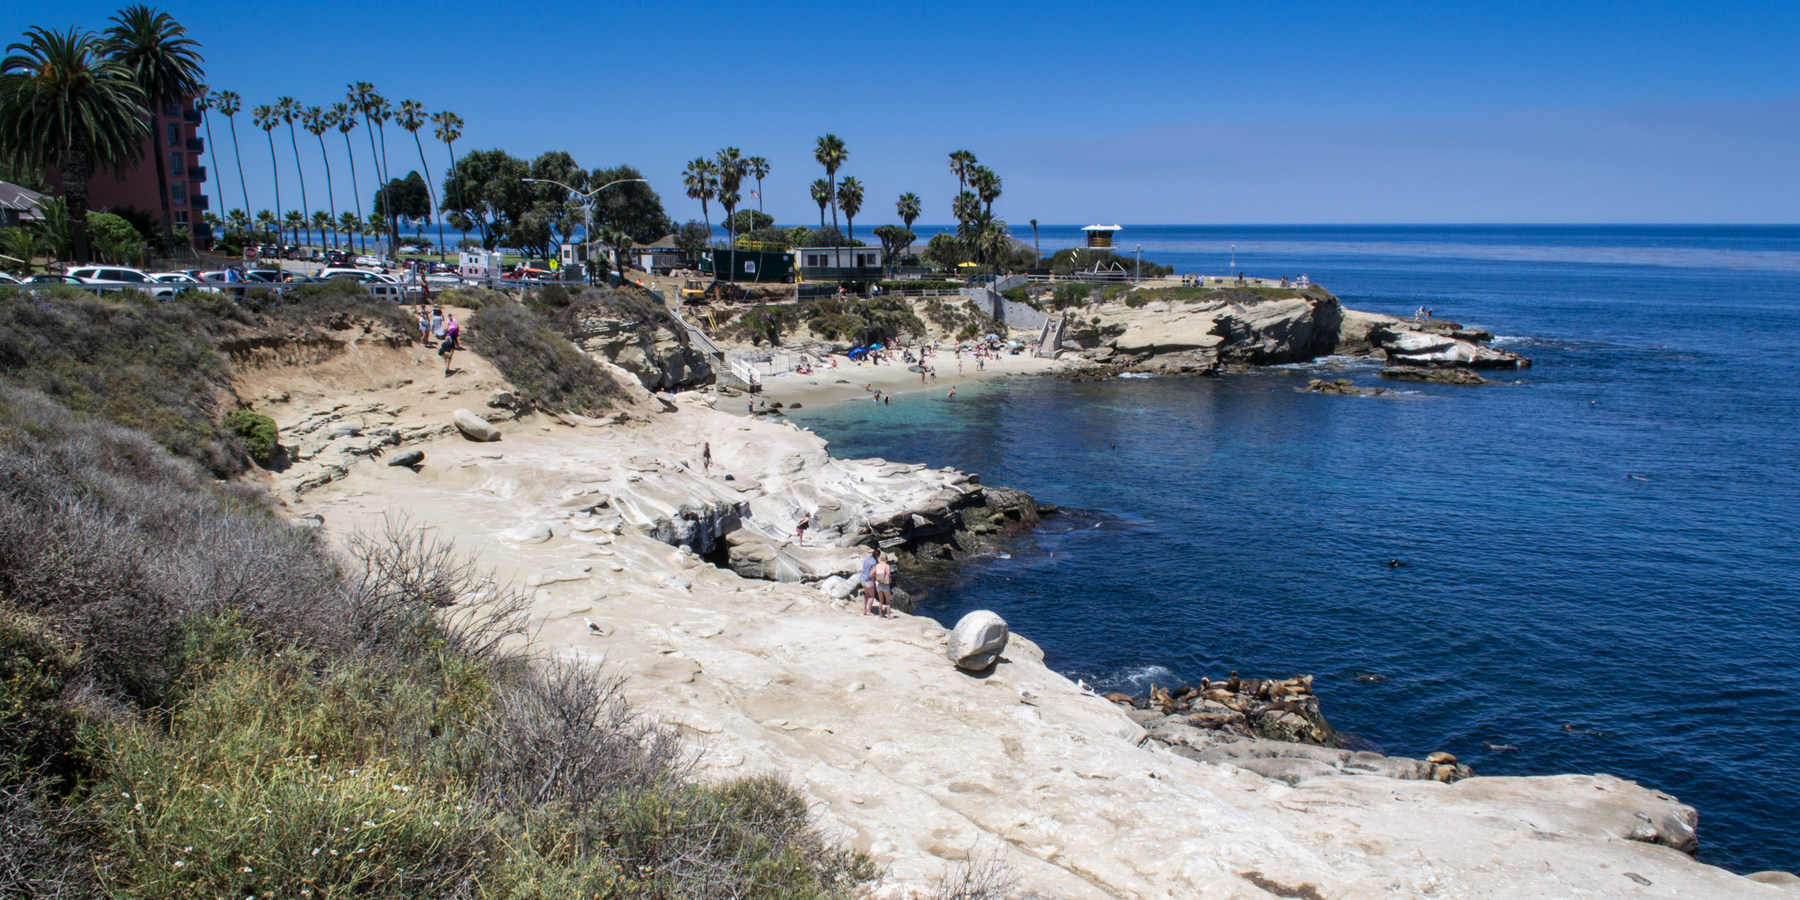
x: 1549, y: 602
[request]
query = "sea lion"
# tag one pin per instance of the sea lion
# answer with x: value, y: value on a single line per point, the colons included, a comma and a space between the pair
x: 1371, y: 678
x: 1233, y: 683
x: 1440, y: 758
x: 1117, y: 697
x: 1159, y: 698
x: 1573, y: 730
x: 1284, y: 706
x: 1501, y: 748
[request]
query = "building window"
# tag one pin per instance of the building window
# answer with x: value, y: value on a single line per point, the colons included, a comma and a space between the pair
x: 178, y: 164
x: 181, y: 218
x: 174, y: 133
x: 172, y: 109
x: 178, y: 192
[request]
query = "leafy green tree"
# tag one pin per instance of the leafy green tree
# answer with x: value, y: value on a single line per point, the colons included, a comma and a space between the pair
x: 745, y: 221
x: 405, y: 196
x: 830, y: 153
x: 115, y: 237
x: 894, y: 239
x: 63, y: 102
x: 850, y: 198
x: 821, y: 194
x: 317, y: 122
x: 229, y: 104
x: 693, y: 237
x: 21, y: 247
x: 945, y: 251
x: 165, y: 64
x: 632, y: 207
x: 702, y: 183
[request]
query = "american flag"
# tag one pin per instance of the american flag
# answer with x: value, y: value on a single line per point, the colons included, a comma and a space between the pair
x: 755, y: 196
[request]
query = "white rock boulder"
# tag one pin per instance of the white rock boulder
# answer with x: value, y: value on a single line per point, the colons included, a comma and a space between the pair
x: 474, y: 427
x: 977, y: 640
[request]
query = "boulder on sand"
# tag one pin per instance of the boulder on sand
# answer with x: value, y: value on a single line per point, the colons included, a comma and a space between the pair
x: 977, y: 640
x: 474, y: 427
x: 407, y: 458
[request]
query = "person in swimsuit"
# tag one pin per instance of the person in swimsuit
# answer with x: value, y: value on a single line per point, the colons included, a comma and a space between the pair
x: 884, y: 586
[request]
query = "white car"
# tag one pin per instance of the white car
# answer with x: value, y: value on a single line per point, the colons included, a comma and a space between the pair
x: 357, y: 275
x: 8, y: 279
x: 369, y: 262
x: 182, y: 281
x: 120, y: 277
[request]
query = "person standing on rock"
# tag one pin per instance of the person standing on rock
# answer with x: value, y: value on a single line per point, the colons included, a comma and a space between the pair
x: 800, y: 528
x: 866, y: 575
x: 706, y: 458
x: 884, y: 586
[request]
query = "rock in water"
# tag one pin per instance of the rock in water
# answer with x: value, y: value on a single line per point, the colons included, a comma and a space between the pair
x: 977, y: 640
x: 407, y: 458
x: 474, y: 427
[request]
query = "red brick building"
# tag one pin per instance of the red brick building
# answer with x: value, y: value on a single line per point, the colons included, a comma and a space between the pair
x: 175, y: 133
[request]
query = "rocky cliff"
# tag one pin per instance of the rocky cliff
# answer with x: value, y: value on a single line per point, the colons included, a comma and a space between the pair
x: 653, y: 350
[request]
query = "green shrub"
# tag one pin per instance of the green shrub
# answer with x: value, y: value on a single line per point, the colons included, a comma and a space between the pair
x: 1137, y: 301
x: 541, y: 363
x: 1072, y: 294
x: 257, y: 431
x: 1017, y: 294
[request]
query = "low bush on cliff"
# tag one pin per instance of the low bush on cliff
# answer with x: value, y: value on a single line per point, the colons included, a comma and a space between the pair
x: 197, y: 700
x: 540, y: 362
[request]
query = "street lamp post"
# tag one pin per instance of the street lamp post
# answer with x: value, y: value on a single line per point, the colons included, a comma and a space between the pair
x: 1140, y: 263
x: 587, y: 209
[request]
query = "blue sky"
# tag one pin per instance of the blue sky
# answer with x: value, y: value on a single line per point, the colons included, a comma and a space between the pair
x: 1147, y: 113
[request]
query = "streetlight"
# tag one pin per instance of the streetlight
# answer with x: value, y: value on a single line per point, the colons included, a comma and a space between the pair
x: 1140, y: 263
x: 587, y: 208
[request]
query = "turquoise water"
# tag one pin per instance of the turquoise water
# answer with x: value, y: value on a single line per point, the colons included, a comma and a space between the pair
x: 1233, y: 523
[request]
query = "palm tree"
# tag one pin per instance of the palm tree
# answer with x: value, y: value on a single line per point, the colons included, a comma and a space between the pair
x: 63, y: 102
x: 412, y: 118
x: 831, y: 154
x: 1034, y: 241
x: 960, y: 163
x: 165, y: 63
x: 237, y: 220
x: 731, y: 169
x: 318, y: 121
x: 345, y: 118
x: 288, y: 109
x: 758, y: 169
x: 850, y: 197
x: 381, y: 111
x: 449, y: 128
x: 362, y: 98
x: 321, y: 223
x: 266, y: 118
x: 986, y: 185
x: 265, y: 220
x: 821, y: 194
x: 204, y: 103
x: 229, y: 103
x: 702, y: 183
x: 909, y: 207
x: 349, y: 223
x: 294, y: 221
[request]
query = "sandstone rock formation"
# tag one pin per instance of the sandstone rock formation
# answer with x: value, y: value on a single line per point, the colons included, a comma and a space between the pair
x: 660, y: 357
x: 474, y: 427
x: 977, y: 641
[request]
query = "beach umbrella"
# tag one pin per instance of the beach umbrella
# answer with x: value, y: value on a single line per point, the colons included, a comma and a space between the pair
x: 877, y: 347
x: 993, y: 337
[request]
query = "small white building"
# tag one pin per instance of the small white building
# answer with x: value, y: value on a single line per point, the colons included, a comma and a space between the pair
x: 479, y: 264
x: 1100, y: 237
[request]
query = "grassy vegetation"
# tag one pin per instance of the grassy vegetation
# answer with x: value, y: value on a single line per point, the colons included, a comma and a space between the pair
x: 1220, y: 294
x: 198, y: 700
x: 257, y: 431
x: 548, y: 370
x: 883, y: 320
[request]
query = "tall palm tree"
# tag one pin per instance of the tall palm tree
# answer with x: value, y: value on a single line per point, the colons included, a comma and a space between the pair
x: 412, y: 118
x: 294, y: 221
x: 1034, y: 241
x: 289, y: 109
x: 165, y: 63
x: 850, y: 197
x: 321, y: 223
x: 362, y: 98
x: 986, y: 185
x: 821, y: 194
x: 449, y: 128
x: 831, y: 154
x: 267, y: 118
x: 960, y: 163
x: 731, y: 169
x: 237, y: 220
x: 909, y: 208
x: 345, y: 118
x: 266, y: 221
x: 381, y: 111
x: 318, y: 121
x: 229, y: 103
x: 702, y: 183
x: 759, y: 169
x: 64, y: 102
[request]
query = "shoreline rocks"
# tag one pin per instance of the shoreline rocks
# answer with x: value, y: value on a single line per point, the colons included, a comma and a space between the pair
x: 1434, y: 375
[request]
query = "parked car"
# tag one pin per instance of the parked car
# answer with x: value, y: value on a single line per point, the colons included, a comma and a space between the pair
x: 123, y: 277
x: 54, y: 278
x: 369, y: 262
x: 263, y: 276
x: 182, y: 281
x: 8, y: 279
x: 386, y: 287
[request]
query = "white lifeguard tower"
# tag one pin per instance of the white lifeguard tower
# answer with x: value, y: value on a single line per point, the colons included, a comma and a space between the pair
x: 1100, y: 237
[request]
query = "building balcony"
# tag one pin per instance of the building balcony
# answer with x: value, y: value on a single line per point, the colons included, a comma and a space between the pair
x: 198, y: 201
x: 196, y: 173
x: 191, y: 115
x: 196, y: 145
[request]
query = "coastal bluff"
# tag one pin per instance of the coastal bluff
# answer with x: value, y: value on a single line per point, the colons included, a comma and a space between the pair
x: 624, y: 522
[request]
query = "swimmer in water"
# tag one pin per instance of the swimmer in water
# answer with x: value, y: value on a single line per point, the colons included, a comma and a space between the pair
x: 1395, y: 563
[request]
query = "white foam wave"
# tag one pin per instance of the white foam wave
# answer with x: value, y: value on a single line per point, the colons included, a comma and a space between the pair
x: 1143, y: 676
x: 1137, y: 375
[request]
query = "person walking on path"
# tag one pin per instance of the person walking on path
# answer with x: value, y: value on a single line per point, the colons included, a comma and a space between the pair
x: 425, y: 327
x: 800, y: 528
x: 884, y: 586
x: 453, y: 330
x: 706, y: 458
x: 437, y: 323
x: 866, y: 575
